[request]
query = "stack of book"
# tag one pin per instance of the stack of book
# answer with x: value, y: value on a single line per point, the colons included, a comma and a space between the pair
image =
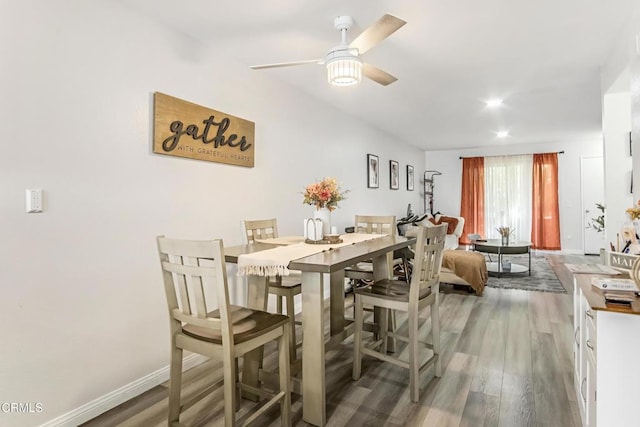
x: 616, y: 290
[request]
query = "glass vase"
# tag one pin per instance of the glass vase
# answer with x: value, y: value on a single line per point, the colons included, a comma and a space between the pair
x: 505, y: 240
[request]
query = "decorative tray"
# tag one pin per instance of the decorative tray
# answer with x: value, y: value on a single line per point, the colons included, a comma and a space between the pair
x: 323, y: 242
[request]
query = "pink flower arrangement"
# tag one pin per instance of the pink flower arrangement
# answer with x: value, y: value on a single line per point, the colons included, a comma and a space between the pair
x: 324, y: 194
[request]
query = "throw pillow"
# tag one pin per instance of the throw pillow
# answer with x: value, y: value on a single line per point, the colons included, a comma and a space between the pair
x: 452, y: 223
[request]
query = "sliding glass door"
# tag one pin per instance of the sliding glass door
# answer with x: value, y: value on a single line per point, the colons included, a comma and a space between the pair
x: 508, y: 188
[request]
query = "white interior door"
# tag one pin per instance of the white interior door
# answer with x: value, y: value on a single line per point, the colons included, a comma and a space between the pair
x: 592, y: 176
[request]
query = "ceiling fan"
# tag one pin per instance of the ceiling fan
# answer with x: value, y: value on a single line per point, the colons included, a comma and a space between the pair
x: 344, y: 65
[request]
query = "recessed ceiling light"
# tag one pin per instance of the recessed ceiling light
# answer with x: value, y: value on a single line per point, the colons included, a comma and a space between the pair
x: 502, y: 134
x: 494, y: 103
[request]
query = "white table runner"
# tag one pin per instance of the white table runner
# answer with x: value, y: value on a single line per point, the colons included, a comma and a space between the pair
x: 274, y: 262
x: 283, y: 240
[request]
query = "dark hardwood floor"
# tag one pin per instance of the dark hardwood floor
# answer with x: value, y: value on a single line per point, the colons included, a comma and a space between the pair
x: 507, y: 361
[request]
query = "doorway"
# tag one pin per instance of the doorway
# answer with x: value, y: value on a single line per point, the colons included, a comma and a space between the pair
x: 592, y: 184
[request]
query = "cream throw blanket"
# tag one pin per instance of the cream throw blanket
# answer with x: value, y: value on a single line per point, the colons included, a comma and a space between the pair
x: 274, y: 262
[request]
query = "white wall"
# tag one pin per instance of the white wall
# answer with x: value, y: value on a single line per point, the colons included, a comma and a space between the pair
x: 616, y: 125
x: 620, y: 87
x: 448, y: 185
x: 83, y: 310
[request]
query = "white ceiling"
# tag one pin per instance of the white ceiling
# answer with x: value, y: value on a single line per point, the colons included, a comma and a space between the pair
x: 543, y: 57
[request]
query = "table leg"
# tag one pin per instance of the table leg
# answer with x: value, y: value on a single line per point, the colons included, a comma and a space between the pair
x: 257, y: 294
x: 336, y: 302
x: 381, y: 270
x: 313, y: 380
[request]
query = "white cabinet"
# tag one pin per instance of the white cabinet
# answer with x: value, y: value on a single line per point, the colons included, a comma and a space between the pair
x: 584, y: 350
x: 606, y: 355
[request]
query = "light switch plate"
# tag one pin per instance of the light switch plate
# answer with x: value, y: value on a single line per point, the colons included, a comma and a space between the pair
x: 34, y: 200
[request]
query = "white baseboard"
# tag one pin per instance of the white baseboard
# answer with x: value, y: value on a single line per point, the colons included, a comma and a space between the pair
x: 560, y: 252
x: 110, y: 400
x: 573, y: 251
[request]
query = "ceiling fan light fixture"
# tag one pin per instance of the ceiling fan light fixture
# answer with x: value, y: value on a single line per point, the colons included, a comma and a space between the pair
x: 343, y: 69
x: 344, y: 66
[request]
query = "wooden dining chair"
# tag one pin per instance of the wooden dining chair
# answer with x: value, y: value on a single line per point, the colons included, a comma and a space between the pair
x: 396, y: 295
x: 362, y: 273
x: 190, y: 269
x: 371, y: 224
x: 285, y: 288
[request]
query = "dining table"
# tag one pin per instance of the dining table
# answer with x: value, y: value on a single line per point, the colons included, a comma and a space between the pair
x: 330, y: 262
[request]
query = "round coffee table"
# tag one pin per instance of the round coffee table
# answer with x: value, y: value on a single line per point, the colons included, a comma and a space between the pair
x: 495, y: 246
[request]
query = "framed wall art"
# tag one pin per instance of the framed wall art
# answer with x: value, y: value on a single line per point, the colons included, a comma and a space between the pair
x: 373, y: 171
x: 409, y: 178
x: 394, y: 175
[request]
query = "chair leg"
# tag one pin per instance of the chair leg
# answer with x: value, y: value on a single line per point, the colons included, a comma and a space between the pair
x: 391, y: 342
x: 292, y: 327
x: 238, y: 391
x: 230, y: 374
x: 413, y: 355
x: 383, y: 328
x: 357, y: 338
x: 435, y: 335
x: 279, y: 304
x: 175, y: 384
x: 354, y: 297
x: 285, y: 376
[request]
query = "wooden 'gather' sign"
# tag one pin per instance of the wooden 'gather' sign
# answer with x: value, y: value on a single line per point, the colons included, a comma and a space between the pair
x: 184, y: 129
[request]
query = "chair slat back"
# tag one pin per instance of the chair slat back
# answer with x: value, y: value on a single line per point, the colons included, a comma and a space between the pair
x: 261, y: 229
x: 371, y: 224
x: 189, y: 267
x: 377, y: 224
x: 428, y: 259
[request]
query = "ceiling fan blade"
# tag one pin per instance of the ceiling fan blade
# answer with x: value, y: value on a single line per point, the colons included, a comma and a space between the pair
x: 377, y: 75
x: 380, y: 30
x: 287, y: 64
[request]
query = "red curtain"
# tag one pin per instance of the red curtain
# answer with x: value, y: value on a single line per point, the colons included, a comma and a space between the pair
x: 472, y: 199
x: 545, y: 215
